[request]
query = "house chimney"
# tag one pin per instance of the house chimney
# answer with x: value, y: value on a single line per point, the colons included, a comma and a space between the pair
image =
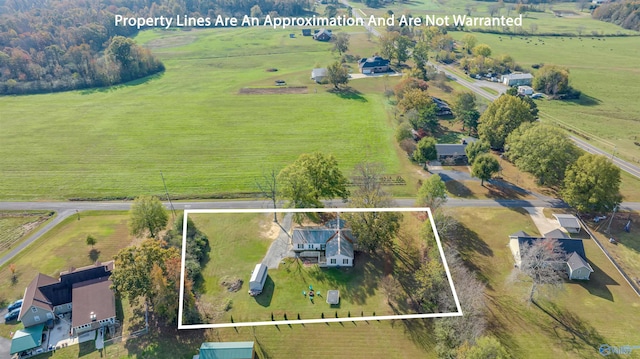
x: 92, y: 316
x: 97, y: 264
x: 71, y: 269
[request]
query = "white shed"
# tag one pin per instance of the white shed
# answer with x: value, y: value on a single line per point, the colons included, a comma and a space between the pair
x: 258, y: 278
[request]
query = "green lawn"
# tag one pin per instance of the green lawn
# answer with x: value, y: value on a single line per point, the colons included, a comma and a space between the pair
x: 238, y: 243
x: 571, y: 324
x: 16, y: 225
x: 190, y: 122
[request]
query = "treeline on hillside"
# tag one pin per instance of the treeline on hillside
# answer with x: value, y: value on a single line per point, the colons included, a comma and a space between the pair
x: 48, y: 45
x: 625, y: 14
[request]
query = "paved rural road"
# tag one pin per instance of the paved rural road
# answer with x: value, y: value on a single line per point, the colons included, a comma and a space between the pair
x: 66, y: 209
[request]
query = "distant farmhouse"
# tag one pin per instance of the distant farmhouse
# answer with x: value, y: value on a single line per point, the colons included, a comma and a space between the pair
x: 306, y: 32
x: 525, y: 90
x: 575, y: 260
x: 443, y: 108
x: 373, y: 64
x: 82, y: 295
x: 517, y: 79
x: 331, y: 245
x: 322, y: 35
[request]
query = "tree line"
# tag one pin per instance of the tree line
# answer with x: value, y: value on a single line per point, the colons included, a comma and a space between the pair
x: 48, y: 46
x: 624, y: 13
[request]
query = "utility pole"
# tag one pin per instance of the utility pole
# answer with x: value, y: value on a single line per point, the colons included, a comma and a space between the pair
x: 611, y: 219
x: 173, y: 210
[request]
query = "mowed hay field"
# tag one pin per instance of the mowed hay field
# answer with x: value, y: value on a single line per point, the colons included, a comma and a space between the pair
x: 604, y: 69
x: 190, y: 122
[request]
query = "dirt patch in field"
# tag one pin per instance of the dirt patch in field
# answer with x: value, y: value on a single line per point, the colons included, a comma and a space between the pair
x: 273, y: 90
x: 170, y: 41
x: 233, y: 286
x: 270, y: 230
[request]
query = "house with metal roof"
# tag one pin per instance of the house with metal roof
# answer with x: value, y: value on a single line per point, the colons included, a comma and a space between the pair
x: 332, y: 245
x: 517, y: 79
x: 568, y: 222
x: 226, y: 350
x: 26, y: 339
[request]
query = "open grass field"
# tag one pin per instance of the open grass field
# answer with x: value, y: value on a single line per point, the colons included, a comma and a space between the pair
x: 16, y: 225
x: 238, y: 242
x: 574, y: 322
x: 573, y: 21
x: 603, y: 69
x: 191, y: 123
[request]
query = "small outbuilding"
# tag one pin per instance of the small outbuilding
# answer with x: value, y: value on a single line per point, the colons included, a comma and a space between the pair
x: 569, y: 222
x: 306, y: 32
x: 525, y: 90
x: 578, y: 268
x: 333, y: 297
x: 258, y: 279
x: 226, y: 350
x: 319, y: 75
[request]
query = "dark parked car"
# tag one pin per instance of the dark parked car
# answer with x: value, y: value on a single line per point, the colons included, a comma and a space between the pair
x: 15, y: 305
x: 12, y: 315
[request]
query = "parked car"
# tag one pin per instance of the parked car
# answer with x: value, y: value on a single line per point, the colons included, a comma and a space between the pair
x: 15, y: 305
x: 537, y: 95
x: 12, y: 315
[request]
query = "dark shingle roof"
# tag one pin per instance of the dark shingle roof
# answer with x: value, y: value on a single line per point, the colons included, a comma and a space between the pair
x: 446, y: 149
x: 520, y: 234
x: 93, y: 296
x: 556, y: 233
x: 567, y: 245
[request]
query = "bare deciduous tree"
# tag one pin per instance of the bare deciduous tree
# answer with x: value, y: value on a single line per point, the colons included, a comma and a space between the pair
x: 268, y: 185
x: 543, y: 261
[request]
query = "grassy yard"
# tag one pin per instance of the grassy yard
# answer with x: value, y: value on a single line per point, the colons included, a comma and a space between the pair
x: 571, y: 324
x: 62, y: 247
x: 191, y: 123
x: 16, y: 225
x: 238, y: 242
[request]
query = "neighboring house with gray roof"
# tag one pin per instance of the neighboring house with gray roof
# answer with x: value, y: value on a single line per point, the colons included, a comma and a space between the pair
x: 332, y: 245
x: 575, y: 258
x: 319, y: 74
x: 517, y: 79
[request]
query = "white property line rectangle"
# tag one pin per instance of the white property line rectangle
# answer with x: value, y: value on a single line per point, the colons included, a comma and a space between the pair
x: 311, y: 321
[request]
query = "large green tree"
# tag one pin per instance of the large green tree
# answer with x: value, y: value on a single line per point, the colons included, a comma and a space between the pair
x: 475, y: 149
x: 592, y: 184
x: 484, y: 167
x: 310, y: 178
x: 147, y: 216
x: 337, y: 75
x: 133, y: 265
x: 373, y: 230
x: 426, y: 150
x: 543, y: 151
x: 465, y: 110
x: 552, y: 80
x: 341, y: 42
x: 432, y: 193
x: 502, y: 117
